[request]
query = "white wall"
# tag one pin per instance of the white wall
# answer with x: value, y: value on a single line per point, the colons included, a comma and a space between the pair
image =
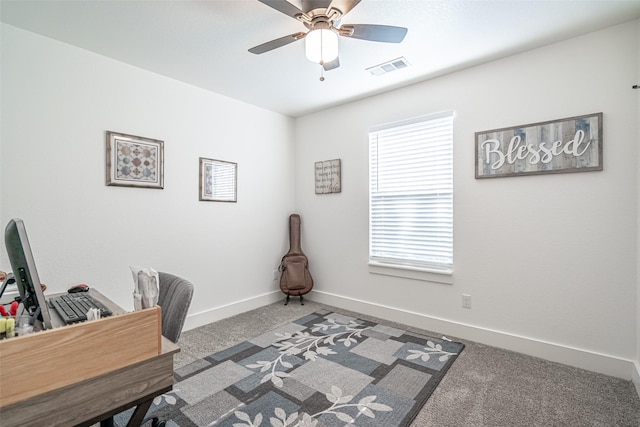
x: 550, y: 261
x: 57, y: 103
x: 636, y: 376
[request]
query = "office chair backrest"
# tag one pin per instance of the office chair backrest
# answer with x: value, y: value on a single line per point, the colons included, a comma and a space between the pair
x: 174, y: 298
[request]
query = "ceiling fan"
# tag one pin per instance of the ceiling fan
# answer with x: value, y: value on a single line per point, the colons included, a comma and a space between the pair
x: 322, y: 18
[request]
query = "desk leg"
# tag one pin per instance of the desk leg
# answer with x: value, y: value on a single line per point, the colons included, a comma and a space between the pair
x: 139, y: 413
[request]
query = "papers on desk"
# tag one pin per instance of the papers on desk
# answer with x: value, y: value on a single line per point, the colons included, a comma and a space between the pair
x: 145, y: 287
x: 93, y: 314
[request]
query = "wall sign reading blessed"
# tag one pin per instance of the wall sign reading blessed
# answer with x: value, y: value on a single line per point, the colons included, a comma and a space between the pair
x: 573, y: 144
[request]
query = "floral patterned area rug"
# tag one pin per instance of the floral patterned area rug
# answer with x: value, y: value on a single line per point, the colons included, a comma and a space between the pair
x: 325, y: 369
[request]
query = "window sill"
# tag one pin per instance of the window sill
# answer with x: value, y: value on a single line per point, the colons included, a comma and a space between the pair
x: 410, y: 272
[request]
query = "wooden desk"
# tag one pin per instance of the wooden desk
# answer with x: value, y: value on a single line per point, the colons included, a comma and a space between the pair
x: 99, y: 397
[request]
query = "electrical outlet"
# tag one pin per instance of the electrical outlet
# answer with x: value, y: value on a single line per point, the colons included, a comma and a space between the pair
x: 275, y: 275
x: 466, y: 300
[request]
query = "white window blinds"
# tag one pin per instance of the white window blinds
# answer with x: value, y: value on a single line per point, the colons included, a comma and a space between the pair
x: 411, y: 192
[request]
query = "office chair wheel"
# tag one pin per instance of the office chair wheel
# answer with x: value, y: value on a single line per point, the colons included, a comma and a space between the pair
x: 155, y: 422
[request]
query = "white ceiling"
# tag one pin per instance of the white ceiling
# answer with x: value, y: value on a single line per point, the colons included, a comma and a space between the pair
x: 204, y: 43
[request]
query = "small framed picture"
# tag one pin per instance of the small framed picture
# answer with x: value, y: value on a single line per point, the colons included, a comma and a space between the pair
x: 218, y: 180
x: 328, y: 176
x: 134, y: 161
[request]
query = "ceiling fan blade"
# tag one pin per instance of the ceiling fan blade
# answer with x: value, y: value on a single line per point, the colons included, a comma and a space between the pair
x: 284, y: 7
x: 331, y: 65
x: 309, y: 5
x: 375, y: 33
x: 344, y: 6
x: 274, y: 44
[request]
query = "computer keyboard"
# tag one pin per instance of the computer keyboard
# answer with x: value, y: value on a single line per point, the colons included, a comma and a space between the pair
x: 74, y: 307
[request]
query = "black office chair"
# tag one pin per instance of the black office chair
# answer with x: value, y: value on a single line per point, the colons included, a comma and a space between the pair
x: 174, y: 298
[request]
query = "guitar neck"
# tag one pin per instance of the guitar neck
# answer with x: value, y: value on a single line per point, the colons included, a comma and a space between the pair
x: 294, y: 233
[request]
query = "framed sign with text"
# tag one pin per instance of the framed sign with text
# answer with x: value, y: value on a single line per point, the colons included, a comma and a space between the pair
x: 566, y: 145
x: 328, y: 176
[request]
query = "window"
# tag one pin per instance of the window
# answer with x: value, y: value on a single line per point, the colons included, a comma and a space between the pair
x: 411, y: 194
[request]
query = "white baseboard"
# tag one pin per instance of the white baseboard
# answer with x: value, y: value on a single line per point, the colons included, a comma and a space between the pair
x: 222, y: 312
x: 580, y: 358
x: 585, y: 359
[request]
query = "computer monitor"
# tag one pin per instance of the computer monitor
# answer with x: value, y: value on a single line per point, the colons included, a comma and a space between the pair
x: 25, y: 272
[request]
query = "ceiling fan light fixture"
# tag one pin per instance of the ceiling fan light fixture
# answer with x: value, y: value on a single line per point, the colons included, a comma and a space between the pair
x: 321, y: 46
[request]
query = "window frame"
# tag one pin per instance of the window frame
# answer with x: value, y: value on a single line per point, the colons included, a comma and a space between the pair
x: 414, y: 269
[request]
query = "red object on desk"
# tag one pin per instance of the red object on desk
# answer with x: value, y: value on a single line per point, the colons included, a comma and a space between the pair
x: 14, y: 308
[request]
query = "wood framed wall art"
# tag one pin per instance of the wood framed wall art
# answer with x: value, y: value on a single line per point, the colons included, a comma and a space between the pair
x: 134, y: 161
x: 218, y: 180
x: 328, y: 174
x: 572, y: 144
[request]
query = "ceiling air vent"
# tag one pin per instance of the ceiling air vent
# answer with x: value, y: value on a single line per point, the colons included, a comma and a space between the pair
x: 389, y: 66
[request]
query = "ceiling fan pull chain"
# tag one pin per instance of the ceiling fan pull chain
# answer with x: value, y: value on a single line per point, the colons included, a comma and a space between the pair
x: 321, y: 56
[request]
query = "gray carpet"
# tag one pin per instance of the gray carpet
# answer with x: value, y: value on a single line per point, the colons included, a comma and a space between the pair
x: 486, y: 386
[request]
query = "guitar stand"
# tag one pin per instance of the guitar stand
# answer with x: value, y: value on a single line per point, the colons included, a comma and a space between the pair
x: 286, y: 301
